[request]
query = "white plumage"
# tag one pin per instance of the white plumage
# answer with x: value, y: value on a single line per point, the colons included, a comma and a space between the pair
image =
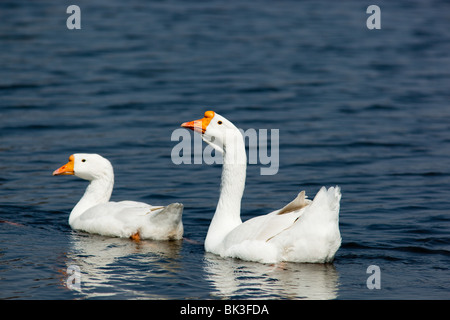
x: 302, y: 231
x: 94, y: 213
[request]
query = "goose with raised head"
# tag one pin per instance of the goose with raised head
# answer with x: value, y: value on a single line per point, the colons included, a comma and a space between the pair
x: 94, y: 213
x: 302, y: 231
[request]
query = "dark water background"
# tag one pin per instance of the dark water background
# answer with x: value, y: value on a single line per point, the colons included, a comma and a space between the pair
x: 365, y: 109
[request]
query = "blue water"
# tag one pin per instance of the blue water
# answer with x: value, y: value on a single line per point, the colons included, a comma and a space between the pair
x: 365, y: 109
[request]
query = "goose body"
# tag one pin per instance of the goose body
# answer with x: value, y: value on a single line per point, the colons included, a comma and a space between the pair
x: 94, y: 213
x: 302, y: 231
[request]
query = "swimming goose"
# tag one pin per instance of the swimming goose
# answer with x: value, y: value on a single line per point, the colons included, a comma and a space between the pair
x: 94, y: 213
x: 302, y: 231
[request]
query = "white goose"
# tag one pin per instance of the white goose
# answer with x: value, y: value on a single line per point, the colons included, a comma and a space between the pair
x: 94, y: 213
x: 302, y: 231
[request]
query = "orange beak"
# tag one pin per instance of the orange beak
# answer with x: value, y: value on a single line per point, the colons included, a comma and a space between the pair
x: 200, y: 124
x: 66, y: 169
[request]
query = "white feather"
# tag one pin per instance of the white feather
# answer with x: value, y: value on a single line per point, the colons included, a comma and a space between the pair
x: 94, y: 213
x: 302, y: 231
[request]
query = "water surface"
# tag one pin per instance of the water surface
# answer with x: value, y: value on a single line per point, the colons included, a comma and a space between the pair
x: 364, y: 109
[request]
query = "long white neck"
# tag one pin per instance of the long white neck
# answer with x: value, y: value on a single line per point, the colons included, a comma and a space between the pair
x: 98, y: 191
x: 228, y: 211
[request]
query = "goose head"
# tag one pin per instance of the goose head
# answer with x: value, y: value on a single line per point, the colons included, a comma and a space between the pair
x: 216, y: 130
x: 86, y: 166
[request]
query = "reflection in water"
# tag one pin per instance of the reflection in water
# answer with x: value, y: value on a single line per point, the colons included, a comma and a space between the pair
x: 114, y: 266
x: 252, y: 280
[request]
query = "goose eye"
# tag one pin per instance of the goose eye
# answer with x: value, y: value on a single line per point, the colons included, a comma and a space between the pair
x: 219, y: 122
x: 84, y: 160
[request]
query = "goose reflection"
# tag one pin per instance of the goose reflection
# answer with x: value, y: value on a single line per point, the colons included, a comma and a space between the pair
x: 234, y: 278
x: 111, y: 266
